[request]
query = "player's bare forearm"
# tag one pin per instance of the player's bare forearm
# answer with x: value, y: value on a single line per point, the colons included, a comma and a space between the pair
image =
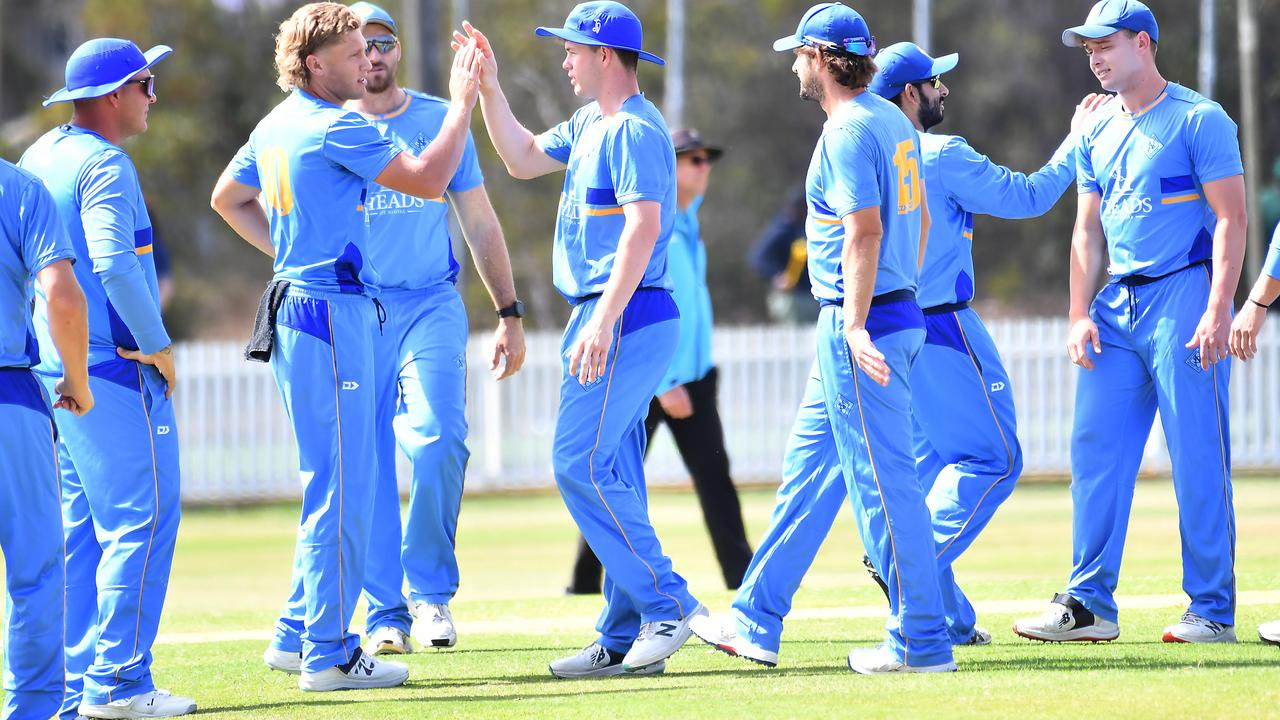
x: 1088, y: 247
x: 635, y: 248
x: 1226, y: 197
x: 483, y: 233
x: 516, y: 144
x: 238, y: 205
x: 859, y: 256
x: 926, y: 222
x: 68, y: 318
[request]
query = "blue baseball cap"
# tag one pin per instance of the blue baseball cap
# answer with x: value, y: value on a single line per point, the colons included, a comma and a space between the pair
x: 903, y: 63
x: 1110, y: 16
x: 100, y: 66
x: 831, y: 26
x: 603, y: 24
x: 370, y: 13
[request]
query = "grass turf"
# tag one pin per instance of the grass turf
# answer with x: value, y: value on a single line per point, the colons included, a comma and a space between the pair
x: 231, y: 574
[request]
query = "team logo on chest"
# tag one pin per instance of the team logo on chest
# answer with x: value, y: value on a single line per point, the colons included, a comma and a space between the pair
x: 420, y: 142
x: 1152, y: 147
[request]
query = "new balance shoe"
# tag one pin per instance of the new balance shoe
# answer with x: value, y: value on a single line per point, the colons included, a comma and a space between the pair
x: 722, y: 634
x: 875, y: 576
x: 659, y: 640
x: 154, y: 704
x: 1269, y: 633
x: 1067, y: 620
x: 979, y: 637
x: 1193, y: 628
x: 283, y: 660
x: 595, y: 660
x: 362, y: 671
x: 433, y: 626
x: 388, y: 640
x: 880, y: 660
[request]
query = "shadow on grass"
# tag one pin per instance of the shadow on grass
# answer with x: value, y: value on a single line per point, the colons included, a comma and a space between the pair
x: 399, y: 698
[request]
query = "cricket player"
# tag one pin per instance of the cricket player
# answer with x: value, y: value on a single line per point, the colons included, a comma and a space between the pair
x: 616, y: 216
x: 35, y: 246
x: 420, y: 356
x: 966, y: 447
x: 1162, y: 197
x: 314, y: 162
x: 119, y: 465
x: 1244, y: 345
x: 866, y: 227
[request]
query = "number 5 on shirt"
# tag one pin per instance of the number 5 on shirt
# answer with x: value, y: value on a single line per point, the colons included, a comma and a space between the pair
x: 275, y: 180
x: 908, y: 165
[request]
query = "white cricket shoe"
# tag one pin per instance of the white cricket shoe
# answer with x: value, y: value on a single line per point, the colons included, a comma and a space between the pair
x: 1270, y: 632
x: 722, y: 634
x: 595, y: 660
x: 361, y: 672
x: 433, y: 626
x: 388, y: 640
x: 283, y: 661
x: 979, y: 637
x: 659, y: 640
x: 154, y: 704
x: 1067, y: 620
x: 1193, y: 628
x: 880, y: 660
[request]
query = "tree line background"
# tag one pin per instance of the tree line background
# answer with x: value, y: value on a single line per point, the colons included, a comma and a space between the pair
x: 1011, y: 96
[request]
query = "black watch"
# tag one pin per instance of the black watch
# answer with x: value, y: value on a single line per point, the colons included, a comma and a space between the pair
x: 515, y: 310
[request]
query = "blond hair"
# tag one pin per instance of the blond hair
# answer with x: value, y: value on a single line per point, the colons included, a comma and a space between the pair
x: 310, y: 28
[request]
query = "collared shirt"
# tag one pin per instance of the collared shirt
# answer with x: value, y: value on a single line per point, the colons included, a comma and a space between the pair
x: 610, y: 162
x: 959, y: 183
x: 1150, y: 168
x: 314, y: 162
x: 33, y: 240
x: 409, y: 241
x: 868, y: 156
x: 687, y: 265
x: 99, y: 201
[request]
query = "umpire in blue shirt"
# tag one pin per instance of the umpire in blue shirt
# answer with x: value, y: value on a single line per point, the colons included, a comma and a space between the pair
x: 686, y: 399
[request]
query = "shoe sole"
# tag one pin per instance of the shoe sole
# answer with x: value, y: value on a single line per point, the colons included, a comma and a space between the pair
x: 110, y: 713
x: 443, y: 642
x: 903, y: 669
x: 611, y: 671
x: 390, y: 649
x: 349, y: 685
x: 1269, y: 640
x: 731, y: 651
x: 1084, y: 637
x: 1169, y: 637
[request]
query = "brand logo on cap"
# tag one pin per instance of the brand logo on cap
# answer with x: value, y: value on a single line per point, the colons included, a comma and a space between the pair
x: 596, y: 28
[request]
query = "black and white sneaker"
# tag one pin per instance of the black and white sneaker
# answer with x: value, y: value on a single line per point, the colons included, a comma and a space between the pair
x: 596, y: 660
x: 875, y: 575
x: 1067, y: 620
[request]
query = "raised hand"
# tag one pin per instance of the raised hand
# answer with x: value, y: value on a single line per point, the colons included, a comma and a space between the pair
x: 488, y: 61
x: 464, y: 77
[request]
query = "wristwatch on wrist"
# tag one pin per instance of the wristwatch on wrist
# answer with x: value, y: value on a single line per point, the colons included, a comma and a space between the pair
x: 515, y: 310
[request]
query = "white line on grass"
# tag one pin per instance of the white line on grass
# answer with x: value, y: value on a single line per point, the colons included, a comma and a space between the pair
x: 563, y: 623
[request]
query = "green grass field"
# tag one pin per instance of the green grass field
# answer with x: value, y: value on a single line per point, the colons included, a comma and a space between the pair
x: 232, y: 567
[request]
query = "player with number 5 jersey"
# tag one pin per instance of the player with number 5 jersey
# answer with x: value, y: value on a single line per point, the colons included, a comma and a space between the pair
x: 866, y: 228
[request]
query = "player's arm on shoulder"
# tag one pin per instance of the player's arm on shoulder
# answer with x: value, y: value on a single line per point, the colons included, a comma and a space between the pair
x: 237, y: 204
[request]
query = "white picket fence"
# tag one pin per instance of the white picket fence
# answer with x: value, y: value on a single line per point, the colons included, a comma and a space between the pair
x: 237, y: 445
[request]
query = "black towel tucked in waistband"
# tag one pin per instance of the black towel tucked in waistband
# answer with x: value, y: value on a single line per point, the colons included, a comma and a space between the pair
x: 264, y: 323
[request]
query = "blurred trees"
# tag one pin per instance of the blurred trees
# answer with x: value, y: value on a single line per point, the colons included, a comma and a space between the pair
x: 1011, y: 96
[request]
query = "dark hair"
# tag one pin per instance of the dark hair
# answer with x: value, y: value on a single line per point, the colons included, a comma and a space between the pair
x: 630, y: 59
x: 1133, y: 34
x: 851, y: 71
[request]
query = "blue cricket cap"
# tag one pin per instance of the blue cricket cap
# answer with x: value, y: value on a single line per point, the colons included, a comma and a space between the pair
x: 100, y: 66
x: 370, y: 13
x: 603, y: 24
x: 1110, y: 16
x: 831, y: 26
x: 903, y: 63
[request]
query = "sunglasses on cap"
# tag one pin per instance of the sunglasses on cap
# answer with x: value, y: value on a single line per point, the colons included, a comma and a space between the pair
x: 850, y: 46
x: 148, y: 84
x: 385, y: 44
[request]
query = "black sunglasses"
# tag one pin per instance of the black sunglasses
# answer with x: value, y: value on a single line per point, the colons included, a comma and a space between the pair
x: 700, y: 160
x: 148, y: 84
x: 385, y: 44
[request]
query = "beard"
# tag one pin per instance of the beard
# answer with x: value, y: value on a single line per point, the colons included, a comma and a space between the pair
x: 382, y: 83
x: 811, y: 89
x: 930, y: 113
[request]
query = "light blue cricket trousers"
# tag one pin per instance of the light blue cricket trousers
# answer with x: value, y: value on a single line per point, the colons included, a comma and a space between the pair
x: 1143, y: 367
x: 121, y: 491
x: 598, y: 457
x: 31, y: 538
x: 421, y: 383
x: 323, y: 365
x: 853, y: 438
